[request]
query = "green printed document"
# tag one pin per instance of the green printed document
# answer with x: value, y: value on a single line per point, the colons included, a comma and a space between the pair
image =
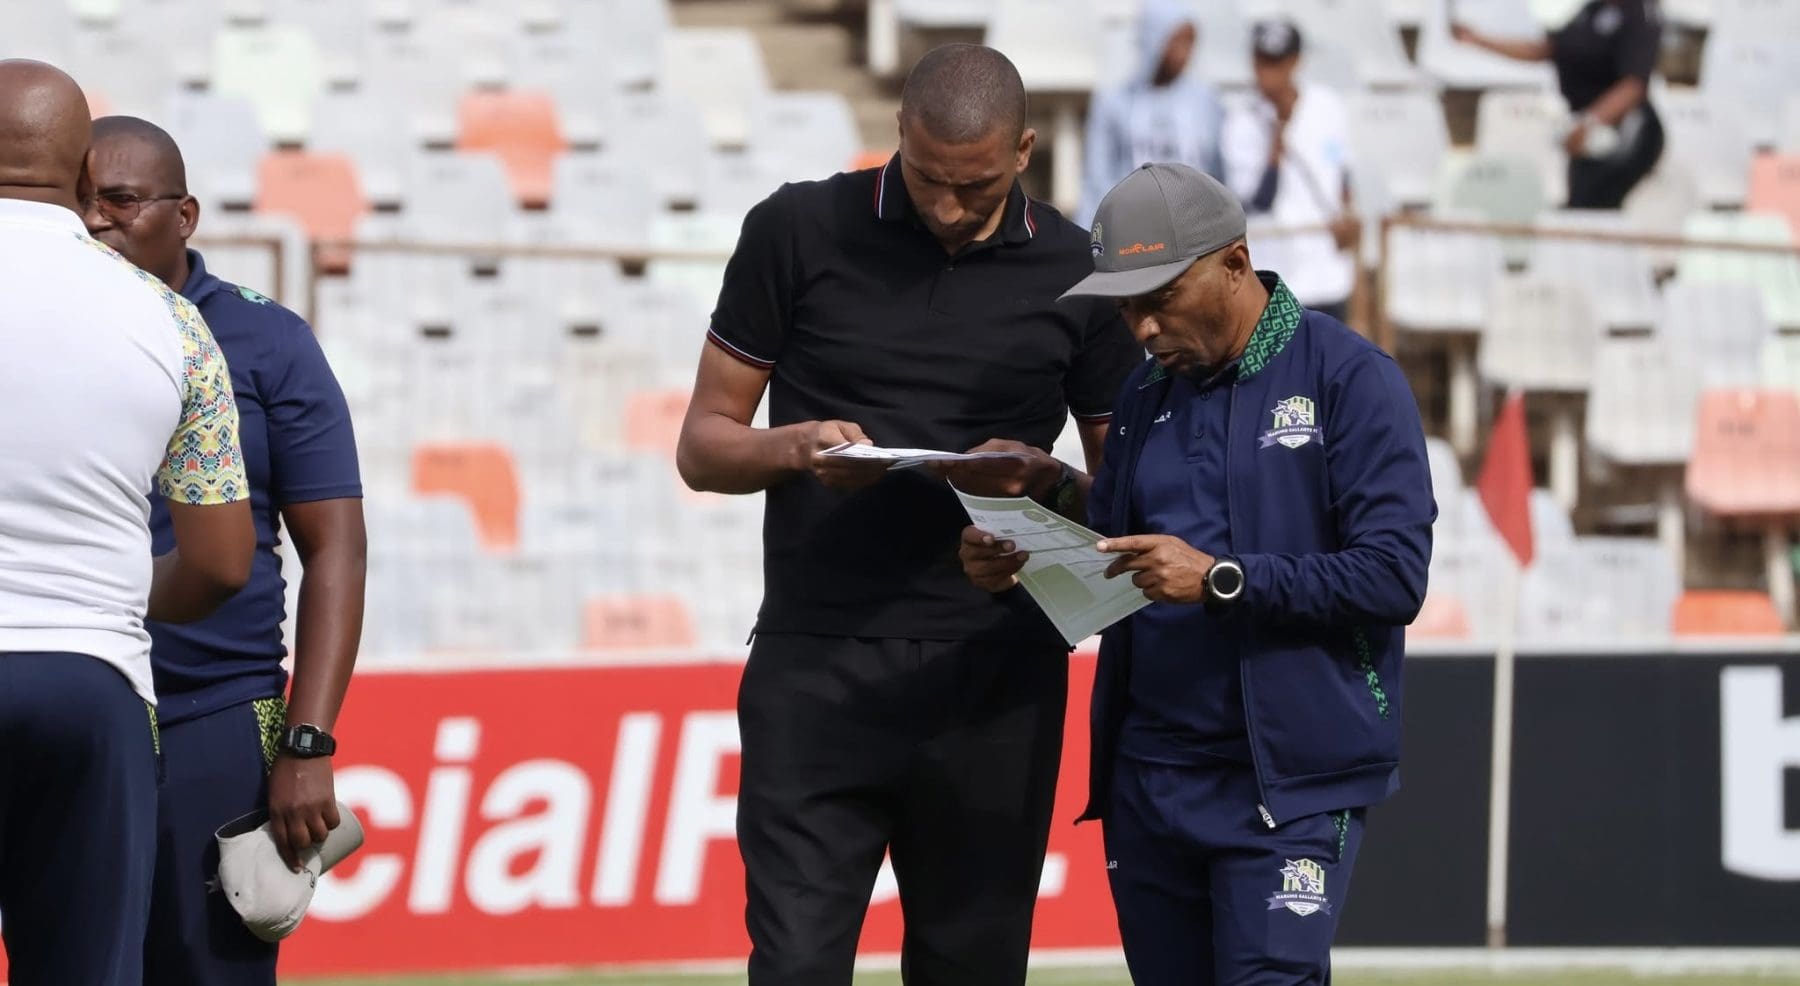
x: 1064, y: 573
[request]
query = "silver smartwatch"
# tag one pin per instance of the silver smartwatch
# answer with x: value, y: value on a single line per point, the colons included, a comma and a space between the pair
x: 1224, y: 581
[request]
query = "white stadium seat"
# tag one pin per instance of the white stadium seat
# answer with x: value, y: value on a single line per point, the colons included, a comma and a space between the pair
x: 457, y: 198
x: 1641, y: 409
x: 222, y: 142
x: 1461, y: 66
x: 278, y: 69
x: 1559, y: 604
x: 1719, y: 326
x: 596, y: 200
x: 661, y: 134
x: 1744, y: 66
x: 1541, y: 335
x: 1712, y: 138
x: 1617, y: 277
x: 720, y: 71
x: 1403, y: 135
x: 1525, y: 124
x: 804, y: 134
x: 1775, y: 274
x: 373, y: 132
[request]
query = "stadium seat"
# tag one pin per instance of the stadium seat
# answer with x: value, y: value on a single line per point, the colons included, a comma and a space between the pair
x: 1781, y: 363
x: 1775, y: 188
x: 1718, y: 328
x: 1446, y: 476
x: 642, y: 622
x: 483, y: 475
x: 41, y: 31
x: 653, y: 420
x: 1403, y: 137
x: 458, y: 198
x: 1617, y: 277
x: 1439, y: 280
x: 733, y: 181
x: 1725, y: 613
x: 133, y: 73
x: 1664, y: 200
x: 1790, y: 125
x: 804, y: 134
x: 1558, y: 602
x: 660, y: 134
x: 341, y: 29
x: 1747, y: 454
x: 278, y: 69
x: 1711, y: 137
x: 1742, y: 66
x: 426, y: 68
x: 598, y: 201
x: 519, y: 127
x: 1054, y: 44
x: 632, y: 32
x: 222, y: 143
x: 1363, y: 31
x: 318, y: 190
x: 1541, y: 335
x: 1775, y: 273
x: 373, y: 132
x: 1443, y: 617
x: 1525, y: 124
x: 1501, y: 188
x: 1642, y: 407
x: 720, y: 71
x: 563, y: 65
x: 1460, y: 66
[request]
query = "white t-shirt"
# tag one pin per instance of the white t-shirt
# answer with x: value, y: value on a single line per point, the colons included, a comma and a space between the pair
x: 1315, y: 164
x: 109, y: 383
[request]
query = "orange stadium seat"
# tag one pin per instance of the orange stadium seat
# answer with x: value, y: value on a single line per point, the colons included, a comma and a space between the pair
x: 1747, y: 454
x: 319, y: 190
x: 1716, y: 612
x: 1443, y: 617
x: 637, y: 622
x: 484, y: 475
x: 521, y: 128
x: 1775, y: 187
x: 653, y: 420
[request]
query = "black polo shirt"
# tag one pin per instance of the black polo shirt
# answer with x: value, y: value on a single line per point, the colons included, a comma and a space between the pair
x: 861, y: 316
x: 1607, y: 40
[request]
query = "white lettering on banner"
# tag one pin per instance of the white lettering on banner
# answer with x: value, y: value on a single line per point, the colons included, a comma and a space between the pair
x: 381, y: 800
x: 446, y: 811
x: 697, y: 814
x: 627, y: 809
x: 1757, y: 746
x: 555, y: 835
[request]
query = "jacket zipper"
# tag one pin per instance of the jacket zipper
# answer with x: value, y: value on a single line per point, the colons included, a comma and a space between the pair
x: 1243, y: 671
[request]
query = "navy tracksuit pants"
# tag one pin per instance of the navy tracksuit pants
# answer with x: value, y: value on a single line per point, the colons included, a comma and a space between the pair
x: 214, y: 770
x: 1209, y: 895
x: 77, y: 821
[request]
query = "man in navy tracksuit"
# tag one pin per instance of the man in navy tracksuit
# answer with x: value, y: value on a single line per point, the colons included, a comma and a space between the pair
x: 230, y: 742
x: 1265, y: 484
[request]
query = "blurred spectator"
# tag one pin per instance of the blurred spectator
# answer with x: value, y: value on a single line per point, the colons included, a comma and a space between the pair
x: 1163, y: 114
x: 1287, y: 155
x: 1603, y: 58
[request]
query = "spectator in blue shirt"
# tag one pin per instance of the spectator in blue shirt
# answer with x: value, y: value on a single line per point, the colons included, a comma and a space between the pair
x: 1164, y: 113
x: 230, y: 742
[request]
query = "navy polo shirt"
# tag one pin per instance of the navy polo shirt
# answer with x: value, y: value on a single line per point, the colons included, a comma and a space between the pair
x: 1187, y: 697
x: 294, y: 427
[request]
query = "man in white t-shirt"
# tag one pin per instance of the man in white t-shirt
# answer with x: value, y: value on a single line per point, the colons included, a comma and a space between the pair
x: 110, y: 385
x: 1287, y: 156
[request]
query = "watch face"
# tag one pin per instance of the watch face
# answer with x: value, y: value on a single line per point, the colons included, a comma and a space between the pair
x: 1227, y: 579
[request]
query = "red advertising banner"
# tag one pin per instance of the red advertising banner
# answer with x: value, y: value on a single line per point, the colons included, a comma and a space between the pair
x: 584, y: 816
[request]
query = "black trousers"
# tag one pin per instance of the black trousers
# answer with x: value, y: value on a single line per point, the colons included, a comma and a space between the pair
x: 1603, y: 183
x: 943, y: 754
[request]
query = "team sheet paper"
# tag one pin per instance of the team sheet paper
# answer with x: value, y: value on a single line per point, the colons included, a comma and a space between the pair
x: 904, y: 458
x: 1064, y: 572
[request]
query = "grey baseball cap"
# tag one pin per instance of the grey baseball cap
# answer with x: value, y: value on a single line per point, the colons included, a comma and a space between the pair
x: 1153, y: 225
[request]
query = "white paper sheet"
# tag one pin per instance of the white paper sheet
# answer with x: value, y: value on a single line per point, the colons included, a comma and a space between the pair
x: 1064, y: 573
x: 904, y: 458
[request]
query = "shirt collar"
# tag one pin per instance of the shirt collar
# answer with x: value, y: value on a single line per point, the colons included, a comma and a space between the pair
x: 1280, y: 320
x: 25, y: 212
x: 200, y: 283
x: 893, y: 204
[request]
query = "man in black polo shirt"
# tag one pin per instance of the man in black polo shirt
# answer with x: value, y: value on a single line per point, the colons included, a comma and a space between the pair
x: 888, y: 704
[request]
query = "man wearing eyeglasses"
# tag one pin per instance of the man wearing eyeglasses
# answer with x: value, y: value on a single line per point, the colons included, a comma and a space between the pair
x: 230, y: 743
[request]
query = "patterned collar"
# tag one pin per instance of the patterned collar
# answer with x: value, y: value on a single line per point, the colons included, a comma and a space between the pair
x: 1280, y: 320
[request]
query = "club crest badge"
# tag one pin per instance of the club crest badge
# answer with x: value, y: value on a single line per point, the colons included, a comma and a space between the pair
x: 1094, y: 246
x: 1302, y: 889
x: 1296, y: 423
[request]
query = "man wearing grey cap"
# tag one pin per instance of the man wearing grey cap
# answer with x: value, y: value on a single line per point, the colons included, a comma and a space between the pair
x: 1265, y: 484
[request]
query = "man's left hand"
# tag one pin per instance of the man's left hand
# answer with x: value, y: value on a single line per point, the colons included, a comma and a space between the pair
x: 1032, y: 474
x: 302, y: 805
x: 1168, y: 569
x: 1346, y: 229
x: 1576, y: 142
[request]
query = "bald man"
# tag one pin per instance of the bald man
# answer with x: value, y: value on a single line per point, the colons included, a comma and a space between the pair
x: 112, y: 387
x: 231, y: 743
x: 888, y: 706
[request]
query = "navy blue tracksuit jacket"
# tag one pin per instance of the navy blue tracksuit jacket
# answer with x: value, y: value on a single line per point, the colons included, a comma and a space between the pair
x: 1334, y: 535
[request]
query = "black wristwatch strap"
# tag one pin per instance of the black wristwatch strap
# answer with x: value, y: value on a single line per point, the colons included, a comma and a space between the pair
x: 307, y: 741
x: 1061, y: 497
